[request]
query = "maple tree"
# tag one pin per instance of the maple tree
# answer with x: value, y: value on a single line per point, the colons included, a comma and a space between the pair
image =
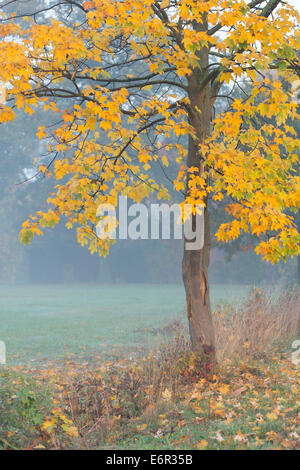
x: 121, y: 74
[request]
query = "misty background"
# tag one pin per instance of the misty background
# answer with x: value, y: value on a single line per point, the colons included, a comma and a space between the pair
x: 57, y: 257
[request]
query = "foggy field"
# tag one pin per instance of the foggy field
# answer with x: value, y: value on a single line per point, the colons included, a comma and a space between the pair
x: 46, y: 322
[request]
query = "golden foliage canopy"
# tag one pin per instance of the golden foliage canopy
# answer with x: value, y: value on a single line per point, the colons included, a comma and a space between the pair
x: 118, y: 75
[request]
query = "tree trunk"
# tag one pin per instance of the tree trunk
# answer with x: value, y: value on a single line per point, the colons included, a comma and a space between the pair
x: 195, y: 277
x: 196, y: 262
x: 298, y: 280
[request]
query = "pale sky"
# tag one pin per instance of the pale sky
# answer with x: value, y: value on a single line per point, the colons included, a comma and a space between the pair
x: 295, y: 3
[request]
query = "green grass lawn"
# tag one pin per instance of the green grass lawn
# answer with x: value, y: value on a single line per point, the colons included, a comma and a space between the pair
x: 46, y: 321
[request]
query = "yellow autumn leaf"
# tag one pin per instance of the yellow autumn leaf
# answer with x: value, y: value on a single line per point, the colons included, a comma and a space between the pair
x: 203, y: 444
x: 72, y: 431
x: 166, y: 394
x: 164, y: 160
x: 272, y: 416
x: 141, y: 427
x: 224, y: 389
x: 48, y: 424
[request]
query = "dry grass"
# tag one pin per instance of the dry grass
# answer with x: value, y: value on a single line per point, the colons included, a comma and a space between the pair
x: 251, y: 330
x: 102, y: 401
x: 261, y: 324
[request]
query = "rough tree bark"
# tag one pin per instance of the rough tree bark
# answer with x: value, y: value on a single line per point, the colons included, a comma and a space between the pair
x: 195, y: 277
x: 196, y: 262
